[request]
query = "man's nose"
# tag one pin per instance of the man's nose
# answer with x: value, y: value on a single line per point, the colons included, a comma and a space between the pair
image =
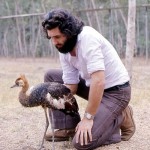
x: 54, y: 41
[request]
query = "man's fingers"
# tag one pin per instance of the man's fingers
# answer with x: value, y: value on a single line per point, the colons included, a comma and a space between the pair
x: 90, y: 135
x: 81, y: 137
x: 76, y: 128
x: 77, y: 136
x: 85, y: 137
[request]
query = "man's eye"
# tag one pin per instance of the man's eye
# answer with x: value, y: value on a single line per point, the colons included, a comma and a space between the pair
x: 57, y: 37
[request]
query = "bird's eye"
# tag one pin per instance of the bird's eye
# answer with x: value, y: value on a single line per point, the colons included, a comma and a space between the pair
x: 17, y: 83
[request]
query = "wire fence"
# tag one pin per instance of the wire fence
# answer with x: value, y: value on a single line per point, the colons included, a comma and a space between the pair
x: 22, y: 35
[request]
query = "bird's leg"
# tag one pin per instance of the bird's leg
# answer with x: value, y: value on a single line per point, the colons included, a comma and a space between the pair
x: 52, y: 127
x: 46, y: 127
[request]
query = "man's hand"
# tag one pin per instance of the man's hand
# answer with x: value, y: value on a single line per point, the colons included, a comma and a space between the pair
x: 72, y: 87
x: 83, y: 131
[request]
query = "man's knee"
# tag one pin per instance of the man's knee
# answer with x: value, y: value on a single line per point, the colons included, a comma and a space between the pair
x: 53, y: 75
x: 48, y: 76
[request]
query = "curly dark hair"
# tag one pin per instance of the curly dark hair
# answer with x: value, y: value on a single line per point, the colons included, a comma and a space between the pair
x: 65, y: 21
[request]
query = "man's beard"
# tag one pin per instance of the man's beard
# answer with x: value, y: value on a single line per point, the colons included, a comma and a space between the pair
x: 68, y: 45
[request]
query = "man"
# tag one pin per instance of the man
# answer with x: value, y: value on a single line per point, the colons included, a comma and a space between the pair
x: 92, y: 69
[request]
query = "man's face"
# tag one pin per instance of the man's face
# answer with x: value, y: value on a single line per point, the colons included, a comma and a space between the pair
x: 58, y: 38
x: 61, y: 41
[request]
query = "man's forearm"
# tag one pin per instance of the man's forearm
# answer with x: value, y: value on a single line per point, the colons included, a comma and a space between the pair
x: 96, y: 92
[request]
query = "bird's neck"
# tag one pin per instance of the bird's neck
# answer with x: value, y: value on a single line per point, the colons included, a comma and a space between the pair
x: 25, y: 87
x: 23, y: 96
x: 24, y: 99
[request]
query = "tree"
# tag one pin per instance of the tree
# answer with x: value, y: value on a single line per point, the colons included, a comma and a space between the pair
x: 130, y: 42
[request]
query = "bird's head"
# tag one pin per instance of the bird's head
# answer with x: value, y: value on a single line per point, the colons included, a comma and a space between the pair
x: 21, y: 81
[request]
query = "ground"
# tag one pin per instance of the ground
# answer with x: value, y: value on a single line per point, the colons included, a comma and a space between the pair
x: 22, y: 128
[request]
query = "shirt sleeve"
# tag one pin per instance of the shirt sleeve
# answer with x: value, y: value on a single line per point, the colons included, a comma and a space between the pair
x: 70, y: 73
x: 93, y: 53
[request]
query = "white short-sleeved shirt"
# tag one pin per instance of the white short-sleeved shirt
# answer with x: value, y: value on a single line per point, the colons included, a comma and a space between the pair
x: 93, y: 53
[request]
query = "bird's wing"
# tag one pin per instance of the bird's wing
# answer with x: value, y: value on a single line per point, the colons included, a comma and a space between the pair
x: 71, y: 103
x: 57, y: 90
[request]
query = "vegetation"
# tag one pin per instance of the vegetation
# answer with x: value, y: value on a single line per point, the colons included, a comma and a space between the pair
x: 22, y: 36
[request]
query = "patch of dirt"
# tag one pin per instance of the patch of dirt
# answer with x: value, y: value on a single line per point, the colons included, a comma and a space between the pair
x: 23, y: 128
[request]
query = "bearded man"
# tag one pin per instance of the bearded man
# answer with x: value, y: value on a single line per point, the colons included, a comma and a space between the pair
x: 91, y: 69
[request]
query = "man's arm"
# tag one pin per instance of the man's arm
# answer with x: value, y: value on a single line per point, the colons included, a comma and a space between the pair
x: 83, y: 129
x: 96, y: 92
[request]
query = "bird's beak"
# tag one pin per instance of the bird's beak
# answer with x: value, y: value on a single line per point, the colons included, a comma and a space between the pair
x: 14, y: 86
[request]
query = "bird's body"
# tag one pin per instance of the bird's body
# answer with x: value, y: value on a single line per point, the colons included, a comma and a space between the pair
x: 48, y: 95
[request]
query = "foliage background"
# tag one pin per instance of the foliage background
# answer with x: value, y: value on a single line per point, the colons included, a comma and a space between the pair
x: 23, y: 36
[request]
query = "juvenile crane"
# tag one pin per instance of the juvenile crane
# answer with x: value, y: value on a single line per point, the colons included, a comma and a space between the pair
x: 51, y: 95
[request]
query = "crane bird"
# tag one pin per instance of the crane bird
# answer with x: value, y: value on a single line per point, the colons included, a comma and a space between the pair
x: 51, y: 95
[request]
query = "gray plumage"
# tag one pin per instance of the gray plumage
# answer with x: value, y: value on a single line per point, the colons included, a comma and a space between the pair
x: 38, y: 96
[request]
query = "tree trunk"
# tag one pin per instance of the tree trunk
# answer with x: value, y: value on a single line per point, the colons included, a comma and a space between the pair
x: 119, y: 42
x: 36, y: 40
x: 87, y: 13
x: 96, y: 15
x: 146, y: 33
x: 5, y: 44
x: 18, y: 28
x: 130, y: 45
x: 121, y: 12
